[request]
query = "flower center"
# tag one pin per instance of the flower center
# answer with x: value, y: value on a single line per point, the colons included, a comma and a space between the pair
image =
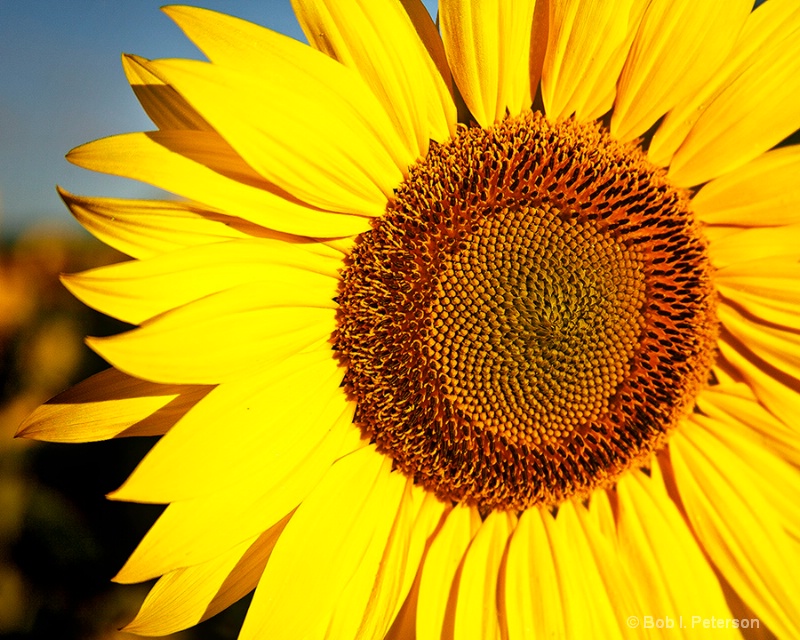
x: 531, y: 317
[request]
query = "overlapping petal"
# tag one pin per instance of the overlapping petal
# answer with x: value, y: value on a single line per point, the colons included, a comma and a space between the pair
x: 146, y: 228
x: 672, y: 574
x: 223, y: 336
x: 197, y: 530
x: 184, y: 597
x: 201, y: 166
x: 491, y: 50
x: 763, y: 192
x: 441, y: 572
x: 139, y: 290
x: 111, y: 404
x: 381, y: 43
x: 772, y: 22
x: 678, y: 47
x: 750, y: 105
x: 337, y: 536
x: 738, y: 525
x: 276, y: 419
x: 587, y: 44
x: 289, y: 107
x: 164, y: 106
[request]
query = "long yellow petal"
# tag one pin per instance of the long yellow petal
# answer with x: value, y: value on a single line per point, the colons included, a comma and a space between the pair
x: 771, y: 23
x: 420, y: 514
x: 337, y: 536
x: 778, y: 393
x: 325, y: 151
x: 138, y: 290
x: 380, y: 42
x: 679, y: 46
x: 477, y: 600
x: 440, y: 573
x: 672, y: 574
x: 164, y: 106
x: 587, y: 46
x: 274, y: 420
x: 294, y: 73
x: 760, y: 251
x: 186, y: 597
x: 570, y: 591
x: 765, y: 289
x: 763, y: 192
x: 597, y: 534
x: 488, y: 46
x: 534, y: 600
x: 756, y: 108
x: 738, y: 529
x: 146, y: 228
x: 734, y: 405
x: 741, y: 455
x: 194, y: 531
x: 111, y: 404
x: 201, y: 166
x: 221, y: 337
x: 778, y: 347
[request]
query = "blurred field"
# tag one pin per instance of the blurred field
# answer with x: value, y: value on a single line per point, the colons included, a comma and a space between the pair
x: 61, y: 541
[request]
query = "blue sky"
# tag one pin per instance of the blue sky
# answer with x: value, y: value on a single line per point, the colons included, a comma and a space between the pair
x: 61, y: 84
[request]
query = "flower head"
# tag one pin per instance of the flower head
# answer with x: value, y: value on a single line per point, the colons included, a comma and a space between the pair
x: 485, y: 331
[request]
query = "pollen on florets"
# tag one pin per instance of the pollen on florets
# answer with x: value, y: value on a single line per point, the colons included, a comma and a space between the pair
x: 532, y: 315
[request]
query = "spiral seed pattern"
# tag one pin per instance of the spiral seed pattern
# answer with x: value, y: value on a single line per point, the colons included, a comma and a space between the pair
x: 531, y: 317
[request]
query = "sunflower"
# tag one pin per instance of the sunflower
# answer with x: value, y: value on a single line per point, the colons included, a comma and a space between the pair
x: 488, y: 330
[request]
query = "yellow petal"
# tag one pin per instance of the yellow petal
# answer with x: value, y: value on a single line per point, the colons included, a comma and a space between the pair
x: 734, y: 405
x: 488, y: 46
x: 587, y: 46
x: 597, y: 535
x: 138, y: 290
x: 771, y: 23
x: 325, y: 151
x: 186, y: 597
x: 379, y: 41
x: 353, y: 611
x: 224, y: 336
x: 533, y: 592
x: 477, y: 600
x: 275, y: 420
x: 440, y: 572
x: 679, y: 46
x: 336, y: 536
x: 194, y: 531
x: 294, y: 73
x: 779, y: 348
x: 756, y: 108
x: 777, y: 392
x: 763, y: 192
x: 765, y: 289
x: 738, y: 529
x: 146, y: 228
x: 110, y: 405
x: 419, y: 515
x: 767, y: 250
x: 165, y: 107
x: 672, y: 574
x: 201, y: 166
x: 740, y: 455
x: 563, y: 556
